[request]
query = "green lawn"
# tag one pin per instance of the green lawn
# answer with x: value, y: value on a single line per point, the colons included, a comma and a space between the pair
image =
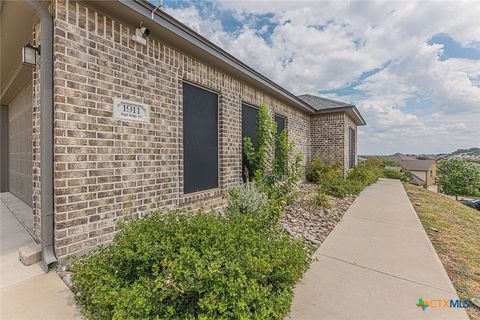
x: 454, y: 230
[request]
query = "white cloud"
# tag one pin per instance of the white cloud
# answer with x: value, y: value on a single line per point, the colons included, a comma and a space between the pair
x: 417, y: 103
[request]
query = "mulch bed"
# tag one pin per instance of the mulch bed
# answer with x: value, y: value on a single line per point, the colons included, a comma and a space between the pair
x: 304, y: 220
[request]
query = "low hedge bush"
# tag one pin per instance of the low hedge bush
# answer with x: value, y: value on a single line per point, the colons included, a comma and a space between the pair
x: 331, y: 181
x: 335, y: 187
x: 179, y: 266
x: 318, y: 171
x: 364, y: 175
x: 393, y: 174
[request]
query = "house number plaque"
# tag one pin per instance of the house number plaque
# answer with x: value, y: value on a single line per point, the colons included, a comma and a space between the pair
x: 128, y: 110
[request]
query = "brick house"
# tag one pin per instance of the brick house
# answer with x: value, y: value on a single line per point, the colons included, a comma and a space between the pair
x: 105, y: 118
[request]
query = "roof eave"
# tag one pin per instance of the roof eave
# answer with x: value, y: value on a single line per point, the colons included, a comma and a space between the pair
x: 166, y: 21
x: 351, y: 110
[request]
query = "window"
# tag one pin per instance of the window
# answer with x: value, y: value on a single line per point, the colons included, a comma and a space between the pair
x: 280, y: 127
x: 249, y: 129
x: 200, y: 139
x: 351, y: 147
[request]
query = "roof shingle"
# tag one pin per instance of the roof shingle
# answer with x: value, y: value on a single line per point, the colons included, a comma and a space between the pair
x: 321, y: 103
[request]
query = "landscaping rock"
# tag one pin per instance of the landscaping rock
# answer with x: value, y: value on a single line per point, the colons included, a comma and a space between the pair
x: 68, y: 280
x: 303, y: 219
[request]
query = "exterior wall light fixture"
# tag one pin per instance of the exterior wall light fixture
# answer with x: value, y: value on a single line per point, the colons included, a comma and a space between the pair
x: 29, y: 54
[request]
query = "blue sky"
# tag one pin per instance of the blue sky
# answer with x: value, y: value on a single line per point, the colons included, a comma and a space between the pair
x: 412, y: 68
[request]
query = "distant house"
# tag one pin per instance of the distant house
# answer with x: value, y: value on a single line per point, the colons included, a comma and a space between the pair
x: 423, y: 171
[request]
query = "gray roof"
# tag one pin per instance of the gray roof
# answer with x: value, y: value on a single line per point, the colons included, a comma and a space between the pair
x: 416, y: 180
x: 321, y: 103
x: 417, y: 165
x: 324, y: 105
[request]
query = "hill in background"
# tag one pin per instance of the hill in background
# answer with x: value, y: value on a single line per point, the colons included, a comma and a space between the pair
x: 472, y: 154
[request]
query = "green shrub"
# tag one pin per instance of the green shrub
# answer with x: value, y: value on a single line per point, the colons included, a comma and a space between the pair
x: 336, y: 187
x: 364, y: 175
x: 394, y: 174
x: 372, y: 161
x: 178, y: 266
x: 354, y: 187
x: 245, y: 199
x: 320, y: 199
x: 318, y: 171
x: 329, y: 176
x: 357, y: 179
x: 361, y: 176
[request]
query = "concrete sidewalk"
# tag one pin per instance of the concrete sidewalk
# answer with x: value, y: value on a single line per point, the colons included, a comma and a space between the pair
x: 375, y: 264
x: 28, y: 293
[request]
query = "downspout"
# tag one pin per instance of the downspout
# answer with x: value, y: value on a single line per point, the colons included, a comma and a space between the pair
x: 46, y: 133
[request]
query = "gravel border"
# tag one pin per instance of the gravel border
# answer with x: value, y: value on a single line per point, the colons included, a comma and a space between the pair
x: 304, y: 220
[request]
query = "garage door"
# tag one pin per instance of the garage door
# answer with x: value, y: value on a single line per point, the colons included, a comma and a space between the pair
x: 20, y: 145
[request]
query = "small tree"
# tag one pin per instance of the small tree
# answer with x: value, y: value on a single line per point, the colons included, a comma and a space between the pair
x: 458, y: 178
x: 274, y: 172
x: 286, y: 165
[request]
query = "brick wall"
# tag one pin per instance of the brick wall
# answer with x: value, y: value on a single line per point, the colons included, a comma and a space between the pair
x: 329, y: 137
x: 105, y: 168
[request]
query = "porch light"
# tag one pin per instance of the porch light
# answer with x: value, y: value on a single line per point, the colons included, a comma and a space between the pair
x: 29, y: 54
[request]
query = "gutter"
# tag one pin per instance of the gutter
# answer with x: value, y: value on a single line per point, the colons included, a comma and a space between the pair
x: 46, y: 133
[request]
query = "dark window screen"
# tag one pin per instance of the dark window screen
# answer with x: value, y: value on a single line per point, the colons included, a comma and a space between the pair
x: 280, y: 127
x: 249, y: 129
x: 351, y: 135
x: 280, y: 123
x: 200, y: 139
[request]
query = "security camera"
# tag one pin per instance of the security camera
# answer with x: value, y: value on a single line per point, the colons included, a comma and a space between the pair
x: 145, y: 31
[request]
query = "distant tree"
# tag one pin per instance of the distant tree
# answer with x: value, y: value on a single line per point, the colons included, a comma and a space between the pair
x: 458, y: 178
